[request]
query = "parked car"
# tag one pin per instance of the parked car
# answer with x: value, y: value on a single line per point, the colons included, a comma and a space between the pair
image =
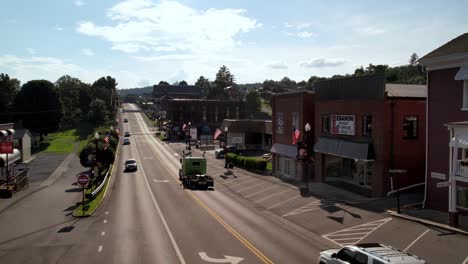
x: 130, y: 165
x: 219, y: 153
x: 126, y: 141
x: 127, y: 134
x: 368, y: 253
x: 125, y: 120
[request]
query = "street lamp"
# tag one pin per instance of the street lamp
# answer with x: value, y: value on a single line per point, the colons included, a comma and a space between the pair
x: 305, y: 161
x: 189, y: 136
x: 96, y: 140
x: 225, y: 146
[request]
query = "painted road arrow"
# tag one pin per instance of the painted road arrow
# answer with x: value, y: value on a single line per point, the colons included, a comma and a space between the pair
x: 226, y: 259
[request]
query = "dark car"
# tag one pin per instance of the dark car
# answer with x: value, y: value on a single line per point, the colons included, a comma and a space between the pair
x: 219, y: 153
x: 130, y: 165
x: 127, y: 134
x: 125, y: 120
x: 126, y: 141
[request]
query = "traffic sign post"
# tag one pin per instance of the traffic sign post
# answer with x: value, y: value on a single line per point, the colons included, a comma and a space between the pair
x: 83, y: 180
x: 396, y: 172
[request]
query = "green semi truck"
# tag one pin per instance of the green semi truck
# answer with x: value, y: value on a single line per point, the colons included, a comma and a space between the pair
x: 192, y: 173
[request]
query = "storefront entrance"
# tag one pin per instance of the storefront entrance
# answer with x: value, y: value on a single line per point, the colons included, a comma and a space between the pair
x: 349, y: 170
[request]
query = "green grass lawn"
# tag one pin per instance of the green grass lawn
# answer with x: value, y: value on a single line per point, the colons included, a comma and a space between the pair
x: 269, y: 166
x: 61, y: 142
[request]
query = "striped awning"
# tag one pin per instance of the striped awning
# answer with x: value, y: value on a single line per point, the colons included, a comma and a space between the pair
x: 347, y: 149
x: 12, y: 158
x: 7, y: 132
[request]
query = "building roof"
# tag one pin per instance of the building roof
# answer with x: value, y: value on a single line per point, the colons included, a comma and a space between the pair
x: 406, y: 90
x: 174, y: 90
x: 19, y: 133
x: 454, y: 46
x: 248, y: 125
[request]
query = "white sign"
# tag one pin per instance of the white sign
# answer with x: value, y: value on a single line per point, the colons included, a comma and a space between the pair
x: 342, y: 125
x: 193, y: 133
x: 236, y: 140
x: 443, y: 184
x: 438, y: 175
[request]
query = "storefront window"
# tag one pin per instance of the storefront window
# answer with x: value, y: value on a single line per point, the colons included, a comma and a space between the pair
x: 295, y: 120
x: 279, y: 123
x: 462, y: 197
x: 325, y: 123
x: 367, y: 125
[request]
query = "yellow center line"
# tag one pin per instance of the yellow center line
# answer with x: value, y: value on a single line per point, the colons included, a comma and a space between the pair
x: 230, y: 229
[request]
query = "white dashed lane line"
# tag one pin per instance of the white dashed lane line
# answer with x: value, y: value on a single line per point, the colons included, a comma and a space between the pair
x: 354, y: 235
x: 99, y: 249
x: 103, y: 233
x: 317, y: 204
x: 105, y: 221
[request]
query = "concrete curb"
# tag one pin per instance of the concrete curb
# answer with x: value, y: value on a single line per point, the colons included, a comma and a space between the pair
x: 428, y: 222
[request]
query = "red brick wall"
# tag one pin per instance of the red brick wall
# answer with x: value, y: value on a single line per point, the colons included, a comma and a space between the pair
x: 409, y: 154
x: 444, y: 103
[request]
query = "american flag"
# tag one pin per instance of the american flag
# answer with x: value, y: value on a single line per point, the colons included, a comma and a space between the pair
x: 183, y: 127
x: 295, y: 136
x: 217, y: 133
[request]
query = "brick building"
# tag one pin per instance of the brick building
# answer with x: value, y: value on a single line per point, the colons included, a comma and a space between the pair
x: 365, y: 127
x: 291, y: 111
x: 447, y: 110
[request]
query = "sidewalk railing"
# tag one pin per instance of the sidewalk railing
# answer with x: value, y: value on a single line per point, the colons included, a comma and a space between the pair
x: 99, y: 188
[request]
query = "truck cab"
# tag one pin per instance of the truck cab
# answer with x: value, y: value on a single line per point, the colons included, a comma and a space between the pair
x: 193, y: 173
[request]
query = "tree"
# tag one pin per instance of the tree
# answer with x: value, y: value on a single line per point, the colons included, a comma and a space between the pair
x: 8, y: 89
x: 252, y: 101
x: 105, y: 88
x: 38, y: 104
x: 98, y: 112
x: 224, y: 79
x: 163, y: 83
x: 183, y: 82
x: 288, y: 83
x: 69, y: 89
x: 203, y: 83
x: 413, y: 61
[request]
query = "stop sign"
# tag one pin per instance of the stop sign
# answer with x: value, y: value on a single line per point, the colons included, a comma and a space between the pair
x: 83, y: 179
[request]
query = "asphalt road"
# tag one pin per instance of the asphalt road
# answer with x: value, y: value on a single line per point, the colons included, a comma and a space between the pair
x: 147, y: 217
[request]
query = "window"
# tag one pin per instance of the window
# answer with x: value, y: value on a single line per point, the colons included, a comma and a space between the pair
x: 279, y: 123
x: 227, y: 112
x: 465, y: 94
x: 346, y: 254
x: 376, y: 261
x: 410, y: 127
x: 295, y: 120
x: 360, y: 258
x: 237, y: 112
x: 16, y: 143
x: 462, y: 197
x: 325, y: 123
x: 367, y: 126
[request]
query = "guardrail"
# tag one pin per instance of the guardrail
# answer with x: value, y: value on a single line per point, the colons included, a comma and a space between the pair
x: 99, y: 188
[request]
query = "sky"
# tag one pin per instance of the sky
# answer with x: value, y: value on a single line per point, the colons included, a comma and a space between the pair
x: 141, y: 42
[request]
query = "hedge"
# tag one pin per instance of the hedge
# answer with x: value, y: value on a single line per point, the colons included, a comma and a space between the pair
x: 247, y: 162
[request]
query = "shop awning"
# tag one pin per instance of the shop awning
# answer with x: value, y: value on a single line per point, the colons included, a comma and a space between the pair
x: 284, y: 150
x: 12, y: 158
x: 462, y: 74
x: 346, y: 149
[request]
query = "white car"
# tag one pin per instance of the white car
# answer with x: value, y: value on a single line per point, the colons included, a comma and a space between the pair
x: 130, y: 165
x: 373, y: 253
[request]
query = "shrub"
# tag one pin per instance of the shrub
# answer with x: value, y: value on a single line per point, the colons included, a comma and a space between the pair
x: 231, y: 157
x: 256, y: 163
x: 240, y: 161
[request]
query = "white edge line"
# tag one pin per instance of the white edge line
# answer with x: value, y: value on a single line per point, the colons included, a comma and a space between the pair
x: 416, y: 240
x: 347, y: 234
x: 103, y: 233
x: 174, y: 243
x: 282, y: 202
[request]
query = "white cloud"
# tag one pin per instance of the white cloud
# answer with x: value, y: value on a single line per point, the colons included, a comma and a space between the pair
x: 87, y: 52
x: 31, y: 51
x: 322, y: 62
x: 278, y: 65
x: 298, y: 30
x: 49, y: 68
x: 306, y: 34
x: 79, y: 3
x: 58, y: 28
x: 371, y: 30
x: 168, y: 26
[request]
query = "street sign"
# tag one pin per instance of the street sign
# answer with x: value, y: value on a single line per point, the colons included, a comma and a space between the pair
x: 6, y: 147
x: 443, y: 184
x: 83, y: 179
